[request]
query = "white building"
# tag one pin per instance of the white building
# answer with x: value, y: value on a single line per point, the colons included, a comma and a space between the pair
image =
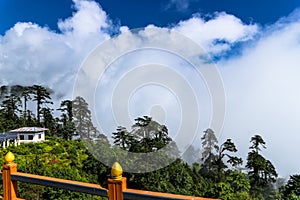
x: 29, y: 134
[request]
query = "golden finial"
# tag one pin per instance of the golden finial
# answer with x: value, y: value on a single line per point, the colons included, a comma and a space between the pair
x: 116, y: 171
x: 9, y: 158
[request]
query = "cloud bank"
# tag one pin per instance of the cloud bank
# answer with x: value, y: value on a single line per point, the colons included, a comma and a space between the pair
x: 261, y: 83
x: 31, y: 54
x: 262, y: 88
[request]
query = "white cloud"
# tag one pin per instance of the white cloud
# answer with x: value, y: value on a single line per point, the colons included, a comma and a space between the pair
x: 262, y: 95
x: 88, y: 19
x: 31, y: 54
x: 223, y: 27
x: 133, y: 60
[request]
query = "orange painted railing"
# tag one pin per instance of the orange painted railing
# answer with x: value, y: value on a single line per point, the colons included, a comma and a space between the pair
x: 117, y: 188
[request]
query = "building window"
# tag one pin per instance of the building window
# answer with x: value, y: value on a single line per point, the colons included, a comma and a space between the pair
x: 30, y: 137
x: 40, y: 136
x: 21, y: 137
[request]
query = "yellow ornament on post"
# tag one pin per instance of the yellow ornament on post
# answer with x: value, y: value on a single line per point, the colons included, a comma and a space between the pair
x: 116, y: 171
x: 9, y: 158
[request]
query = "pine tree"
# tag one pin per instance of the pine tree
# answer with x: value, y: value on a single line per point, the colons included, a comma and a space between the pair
x: 42, y: 96
x: 261, y: 173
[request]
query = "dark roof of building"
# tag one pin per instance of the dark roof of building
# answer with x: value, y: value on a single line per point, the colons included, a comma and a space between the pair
x: 8, y: 135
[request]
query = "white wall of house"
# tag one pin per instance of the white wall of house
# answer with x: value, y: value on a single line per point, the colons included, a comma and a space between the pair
x: 31, y: 137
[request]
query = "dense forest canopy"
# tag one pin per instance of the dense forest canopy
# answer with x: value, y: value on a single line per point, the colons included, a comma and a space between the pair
x: 215, y: 172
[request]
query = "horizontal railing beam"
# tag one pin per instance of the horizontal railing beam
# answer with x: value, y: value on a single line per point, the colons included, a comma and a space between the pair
x: 132, y: 194
x: 138, y: 196
x: 75, y: 186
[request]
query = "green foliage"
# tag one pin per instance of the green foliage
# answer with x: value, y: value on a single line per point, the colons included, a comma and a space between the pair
x: 213, y: 175
x: 55, y: 158
x: 238, y: 181
x: 123, y: 138
x: 42, y: 96
x: 178, y: 178
x: 69, y: 159
x: 214, y: 157
x: 261, y: 173
x: 83, y: 120
x: 221, y: 190
x: 66, y: 126
x: 148, y: 135
x: 292, y: 188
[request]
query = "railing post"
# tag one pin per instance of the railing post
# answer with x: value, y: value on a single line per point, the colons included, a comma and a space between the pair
x: 10, y: 188
x: 117, y: 183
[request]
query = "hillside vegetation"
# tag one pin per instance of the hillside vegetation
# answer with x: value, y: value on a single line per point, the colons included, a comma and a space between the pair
x: 215, y: 172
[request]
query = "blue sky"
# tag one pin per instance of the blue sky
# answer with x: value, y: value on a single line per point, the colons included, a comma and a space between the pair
x: 256, y: 43
x: 137, y: 14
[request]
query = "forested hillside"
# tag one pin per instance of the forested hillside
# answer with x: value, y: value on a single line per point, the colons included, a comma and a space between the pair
x: 217, y: 172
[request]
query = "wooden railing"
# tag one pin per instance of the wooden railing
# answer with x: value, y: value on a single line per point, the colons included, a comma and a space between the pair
x: 117, y: 188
